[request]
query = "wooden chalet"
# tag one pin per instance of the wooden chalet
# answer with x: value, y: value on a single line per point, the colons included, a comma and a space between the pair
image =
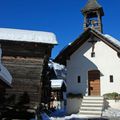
x: 26, y: 54
x: 58, y: 84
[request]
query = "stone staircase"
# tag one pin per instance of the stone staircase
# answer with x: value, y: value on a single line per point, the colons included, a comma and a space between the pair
x: 92, y: 106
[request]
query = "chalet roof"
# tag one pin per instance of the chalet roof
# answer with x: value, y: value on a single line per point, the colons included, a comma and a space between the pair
x: 57, y: 83
x: 71, y: 48
x: 27, y: 36
x: 92, y: 5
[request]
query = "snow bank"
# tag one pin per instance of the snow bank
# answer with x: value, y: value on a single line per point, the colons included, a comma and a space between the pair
x: 27, y: 36
x: 115, y: 104
x: 111, y: 112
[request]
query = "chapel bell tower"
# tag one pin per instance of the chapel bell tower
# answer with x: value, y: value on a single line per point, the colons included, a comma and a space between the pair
x: 93, y: 13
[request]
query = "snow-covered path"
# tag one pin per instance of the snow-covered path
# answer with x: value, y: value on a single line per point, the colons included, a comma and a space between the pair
x: 112, y: 114
x: 109, y: 114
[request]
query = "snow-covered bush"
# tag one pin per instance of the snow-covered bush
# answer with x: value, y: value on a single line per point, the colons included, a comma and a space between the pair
x: 111, y: 96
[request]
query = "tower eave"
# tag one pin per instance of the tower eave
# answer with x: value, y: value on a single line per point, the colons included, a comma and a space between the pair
x: 84, y: 11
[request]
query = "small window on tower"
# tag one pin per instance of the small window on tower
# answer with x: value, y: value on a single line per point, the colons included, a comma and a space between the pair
x: 79, y: 79
x: 93, y: 54
x: 111, y: 78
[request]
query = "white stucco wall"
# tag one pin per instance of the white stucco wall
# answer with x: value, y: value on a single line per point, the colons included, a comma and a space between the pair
x: 105, y: 60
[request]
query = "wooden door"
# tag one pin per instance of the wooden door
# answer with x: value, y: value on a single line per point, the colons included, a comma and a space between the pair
x: 94, y: 82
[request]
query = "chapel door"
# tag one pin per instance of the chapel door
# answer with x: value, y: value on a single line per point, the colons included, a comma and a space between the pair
x: 94, y: 82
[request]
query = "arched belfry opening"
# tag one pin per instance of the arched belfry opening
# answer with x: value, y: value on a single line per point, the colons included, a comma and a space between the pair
x: 93, y: 13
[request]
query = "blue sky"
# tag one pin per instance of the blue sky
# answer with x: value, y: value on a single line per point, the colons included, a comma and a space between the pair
x: 62, y: 17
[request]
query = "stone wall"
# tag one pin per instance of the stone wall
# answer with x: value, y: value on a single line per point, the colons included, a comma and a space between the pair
x: 73, y: 105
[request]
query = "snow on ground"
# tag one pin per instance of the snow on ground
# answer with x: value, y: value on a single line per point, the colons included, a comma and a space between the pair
x: 109, y: 114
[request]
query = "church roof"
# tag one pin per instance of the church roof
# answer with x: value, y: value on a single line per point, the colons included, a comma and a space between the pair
x: 92, y: 5
x: 71, y: 48
x: 27, y: 36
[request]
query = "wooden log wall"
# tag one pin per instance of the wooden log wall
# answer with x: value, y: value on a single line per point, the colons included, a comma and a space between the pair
x: 25, y: 62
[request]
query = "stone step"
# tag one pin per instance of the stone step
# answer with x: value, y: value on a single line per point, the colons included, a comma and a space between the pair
x: 93, y: 97
x: 92, y: 105
x: 91, y: 108
x: 90, y: 112
x: 92, y: 101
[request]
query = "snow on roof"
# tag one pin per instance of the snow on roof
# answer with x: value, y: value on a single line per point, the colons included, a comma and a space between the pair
x: 56, y: 66
x: 60, y: 70
x: 113, y: 40
x: 27, y: 36
x: 110, y: 38
x: 57, y: 83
